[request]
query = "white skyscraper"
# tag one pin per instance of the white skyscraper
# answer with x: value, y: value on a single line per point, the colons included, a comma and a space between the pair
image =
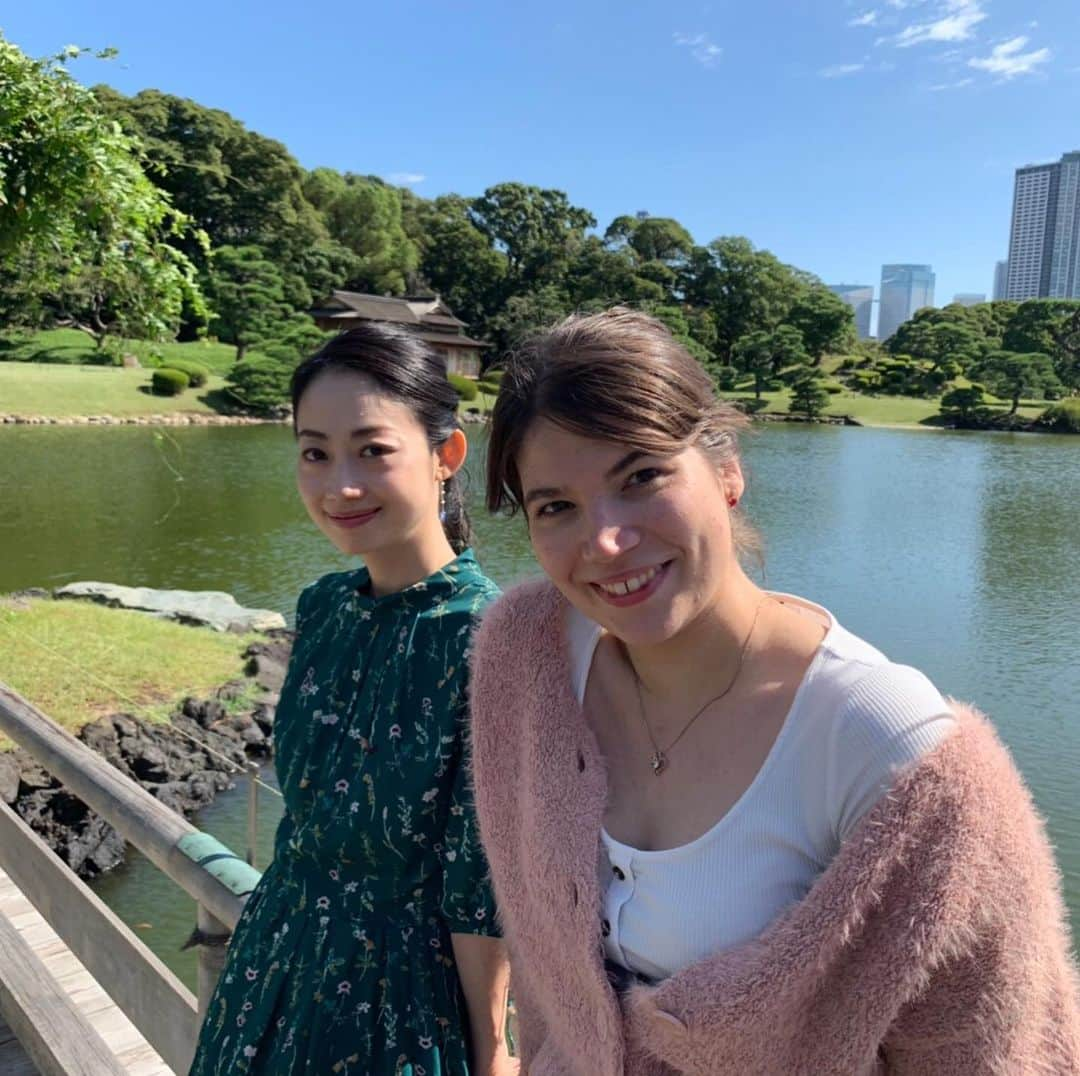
x: 860, y: 297
x: 969, y: 298
x: 1044, y: 241
x: 904, y: 289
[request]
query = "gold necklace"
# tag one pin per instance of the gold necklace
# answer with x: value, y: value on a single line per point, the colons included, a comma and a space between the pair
x: 659, y: 760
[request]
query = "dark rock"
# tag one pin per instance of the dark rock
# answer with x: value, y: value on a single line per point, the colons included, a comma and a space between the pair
x: 9, y: 777
x: 263, y: 715
x: 32, y: 777
x: 268, y: 673
x: 149, y: 765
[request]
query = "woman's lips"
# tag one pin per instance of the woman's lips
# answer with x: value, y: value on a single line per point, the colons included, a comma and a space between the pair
x: 353, y: 519
x: 644, y: 581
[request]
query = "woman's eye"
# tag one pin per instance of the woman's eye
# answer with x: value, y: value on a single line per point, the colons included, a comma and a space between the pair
x: 312, y: 455
x: 374, y: 450
x: 553, y: 508
x: 644, y: 476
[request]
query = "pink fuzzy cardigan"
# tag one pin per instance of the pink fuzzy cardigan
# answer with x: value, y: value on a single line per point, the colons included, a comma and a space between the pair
x: 935, y: 943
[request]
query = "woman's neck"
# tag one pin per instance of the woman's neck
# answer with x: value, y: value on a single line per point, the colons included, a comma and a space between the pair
x: 408, y: 562
x: 706, y: 655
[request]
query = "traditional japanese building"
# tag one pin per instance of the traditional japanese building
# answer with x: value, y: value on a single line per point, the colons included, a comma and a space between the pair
x: 429, y: 317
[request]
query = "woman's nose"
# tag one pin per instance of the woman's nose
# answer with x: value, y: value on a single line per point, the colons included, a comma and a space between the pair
x: 610, y: 538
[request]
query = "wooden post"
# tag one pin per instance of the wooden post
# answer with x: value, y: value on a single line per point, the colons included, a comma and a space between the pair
x: 253, y: 815
x: 211, y: 957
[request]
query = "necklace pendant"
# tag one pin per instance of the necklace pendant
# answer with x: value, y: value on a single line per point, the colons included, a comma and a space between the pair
x: 658, y: 762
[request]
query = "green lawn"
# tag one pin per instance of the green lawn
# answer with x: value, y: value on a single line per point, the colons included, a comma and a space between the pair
x: 879, y: 410
x: 77, y: 661
x: 63, y: 391
x: 70, y: 346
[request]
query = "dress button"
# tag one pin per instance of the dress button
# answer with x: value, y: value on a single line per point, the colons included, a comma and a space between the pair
x: 605, y: 928
x: 580, y: 762
x: 618, y: 872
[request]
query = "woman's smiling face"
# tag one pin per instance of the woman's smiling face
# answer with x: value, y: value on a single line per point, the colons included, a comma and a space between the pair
x: 641, y: 543
x: 366, y: 473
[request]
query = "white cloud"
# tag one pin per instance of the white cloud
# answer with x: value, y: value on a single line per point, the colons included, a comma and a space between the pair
x: 955, y: 21
x: 406, y: 179
x: 840, y: 70
x: 868, y: 19
x: 958, y: 85
x: 1008, y: 60
x: 704, y: 51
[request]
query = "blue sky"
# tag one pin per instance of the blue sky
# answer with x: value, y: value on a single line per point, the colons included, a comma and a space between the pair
x: 839, y: 134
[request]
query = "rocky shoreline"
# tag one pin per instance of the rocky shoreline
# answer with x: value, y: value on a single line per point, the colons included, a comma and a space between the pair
x: 184, y: 763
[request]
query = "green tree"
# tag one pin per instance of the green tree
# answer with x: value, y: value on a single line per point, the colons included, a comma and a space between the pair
x: 964, y: 404
x: 825, y: 321
x: 652, y: 239
x: 808, y: 394
x: 745, y: 290
x: 241, y: 188
x: 84, y: 235
x: 599, y: 276
x: 247, y: 292
x: 457, y: 260
x: 1014, y: 375
x: 1049, y: 327
x: 364, y: 215
x: 526, y: 314
x: 537, y: 230
x: 765, y: 354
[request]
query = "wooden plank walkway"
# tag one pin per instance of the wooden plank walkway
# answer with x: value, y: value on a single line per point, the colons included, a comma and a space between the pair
x: 132, y: 1051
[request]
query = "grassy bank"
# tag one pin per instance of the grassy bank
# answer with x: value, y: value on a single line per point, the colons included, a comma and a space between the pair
x: 877, y: 410
x: 78, y: 661
x: 71, y: 347
x: 63, y: 391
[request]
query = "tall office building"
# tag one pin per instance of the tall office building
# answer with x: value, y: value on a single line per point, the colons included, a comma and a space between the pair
x: 969, y: 298
x: 904, y: 289
x: 860, y: 297
x: 1001, y: 279
x: 1044, y: 241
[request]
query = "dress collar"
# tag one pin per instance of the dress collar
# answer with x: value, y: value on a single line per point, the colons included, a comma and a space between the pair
x: 438, y: 586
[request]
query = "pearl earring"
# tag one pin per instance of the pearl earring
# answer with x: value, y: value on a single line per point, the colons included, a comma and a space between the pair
x: 442, y: 502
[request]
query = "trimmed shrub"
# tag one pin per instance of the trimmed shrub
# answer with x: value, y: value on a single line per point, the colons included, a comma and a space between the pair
x: 832, y: 387
x: 494, y: 375
x: 1063, y: 417
x: 169, y: 382
x: 260, y: 383
x: 748, y: 405
x: 467, y: 389
x: 197, y: 373
x: 726, y: 377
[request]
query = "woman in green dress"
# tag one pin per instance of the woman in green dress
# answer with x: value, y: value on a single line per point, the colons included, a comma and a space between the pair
x: 368, y: 946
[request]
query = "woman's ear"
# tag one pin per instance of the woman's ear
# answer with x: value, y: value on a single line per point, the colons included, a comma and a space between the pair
x: 451, y: 455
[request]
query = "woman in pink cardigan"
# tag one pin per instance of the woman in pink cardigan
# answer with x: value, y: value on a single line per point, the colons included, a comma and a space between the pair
x: 727, y: 836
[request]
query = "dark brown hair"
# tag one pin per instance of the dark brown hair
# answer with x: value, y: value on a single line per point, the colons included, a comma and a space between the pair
x: 405, y: 369
x: 616, y: 376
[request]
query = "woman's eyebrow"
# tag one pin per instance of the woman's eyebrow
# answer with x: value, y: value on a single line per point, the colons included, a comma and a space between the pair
x: 626, y: 461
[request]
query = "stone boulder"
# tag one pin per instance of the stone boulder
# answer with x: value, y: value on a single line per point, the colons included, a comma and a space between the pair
x: 203, y: 608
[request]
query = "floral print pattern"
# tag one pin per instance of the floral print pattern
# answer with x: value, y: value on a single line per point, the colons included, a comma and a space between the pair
x: 342, y: 961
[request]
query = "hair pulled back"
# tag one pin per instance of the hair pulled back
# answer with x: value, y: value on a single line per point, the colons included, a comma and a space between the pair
x: 405, y: 369
x: 615, y: 376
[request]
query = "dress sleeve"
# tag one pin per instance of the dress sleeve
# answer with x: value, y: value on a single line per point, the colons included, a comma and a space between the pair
x: 892, y: 717
x: 468, y: 903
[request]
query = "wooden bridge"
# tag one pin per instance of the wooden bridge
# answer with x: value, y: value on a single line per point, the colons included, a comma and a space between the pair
x: 80, y: 994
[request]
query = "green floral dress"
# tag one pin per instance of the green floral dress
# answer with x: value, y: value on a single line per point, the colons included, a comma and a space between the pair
x: 342, y: 961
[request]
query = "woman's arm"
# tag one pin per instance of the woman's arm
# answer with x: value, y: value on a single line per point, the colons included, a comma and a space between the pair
x: 484, y: 972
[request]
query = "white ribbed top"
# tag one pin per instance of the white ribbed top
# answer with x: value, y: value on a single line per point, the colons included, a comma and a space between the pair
x: 856, y: 718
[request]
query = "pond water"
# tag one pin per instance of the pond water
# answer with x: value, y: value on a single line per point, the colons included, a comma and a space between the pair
x: 955, y: 552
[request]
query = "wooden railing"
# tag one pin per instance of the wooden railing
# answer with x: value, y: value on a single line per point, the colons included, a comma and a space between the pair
x: 156, y: 1002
